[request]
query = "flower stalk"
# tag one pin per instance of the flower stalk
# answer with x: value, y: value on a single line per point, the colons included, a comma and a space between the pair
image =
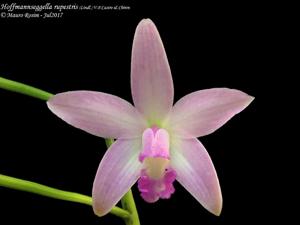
x: 24, y: 89
x: 39, y: 189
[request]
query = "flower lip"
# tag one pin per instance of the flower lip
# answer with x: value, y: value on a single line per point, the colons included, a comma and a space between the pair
x: 151, y: 189
x: 157, y: 177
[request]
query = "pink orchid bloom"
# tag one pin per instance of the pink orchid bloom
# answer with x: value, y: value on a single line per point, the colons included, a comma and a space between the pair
x: 156, y: 141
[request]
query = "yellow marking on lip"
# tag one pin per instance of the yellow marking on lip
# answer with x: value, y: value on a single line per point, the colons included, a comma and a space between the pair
x: 155, y: 167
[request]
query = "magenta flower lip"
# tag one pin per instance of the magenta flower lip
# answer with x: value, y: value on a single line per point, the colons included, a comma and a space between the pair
x: 156, y: 140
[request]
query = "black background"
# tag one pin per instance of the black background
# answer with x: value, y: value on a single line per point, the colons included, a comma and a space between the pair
x: 207, y: 46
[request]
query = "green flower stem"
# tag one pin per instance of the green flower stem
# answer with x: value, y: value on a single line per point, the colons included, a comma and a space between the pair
x: 129, y: 205
x: 24, y: 89
x: 127, y: 200
x: 28, y: 186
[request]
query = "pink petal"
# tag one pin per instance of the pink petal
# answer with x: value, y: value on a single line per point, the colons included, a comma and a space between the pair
x: 151, y: 80
x: 98, y: 113
x: 196, y: 173
x: 118, y: 171
x: 202, y: 112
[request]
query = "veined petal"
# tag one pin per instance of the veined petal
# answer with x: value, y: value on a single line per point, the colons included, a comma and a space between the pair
x: 98, y: 113
x: 151, y: 80
x: 202, y: 112
x: 196, y: 173
x: 118, y: 171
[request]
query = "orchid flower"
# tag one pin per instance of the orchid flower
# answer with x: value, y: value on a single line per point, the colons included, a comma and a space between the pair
x: 156, y: 141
